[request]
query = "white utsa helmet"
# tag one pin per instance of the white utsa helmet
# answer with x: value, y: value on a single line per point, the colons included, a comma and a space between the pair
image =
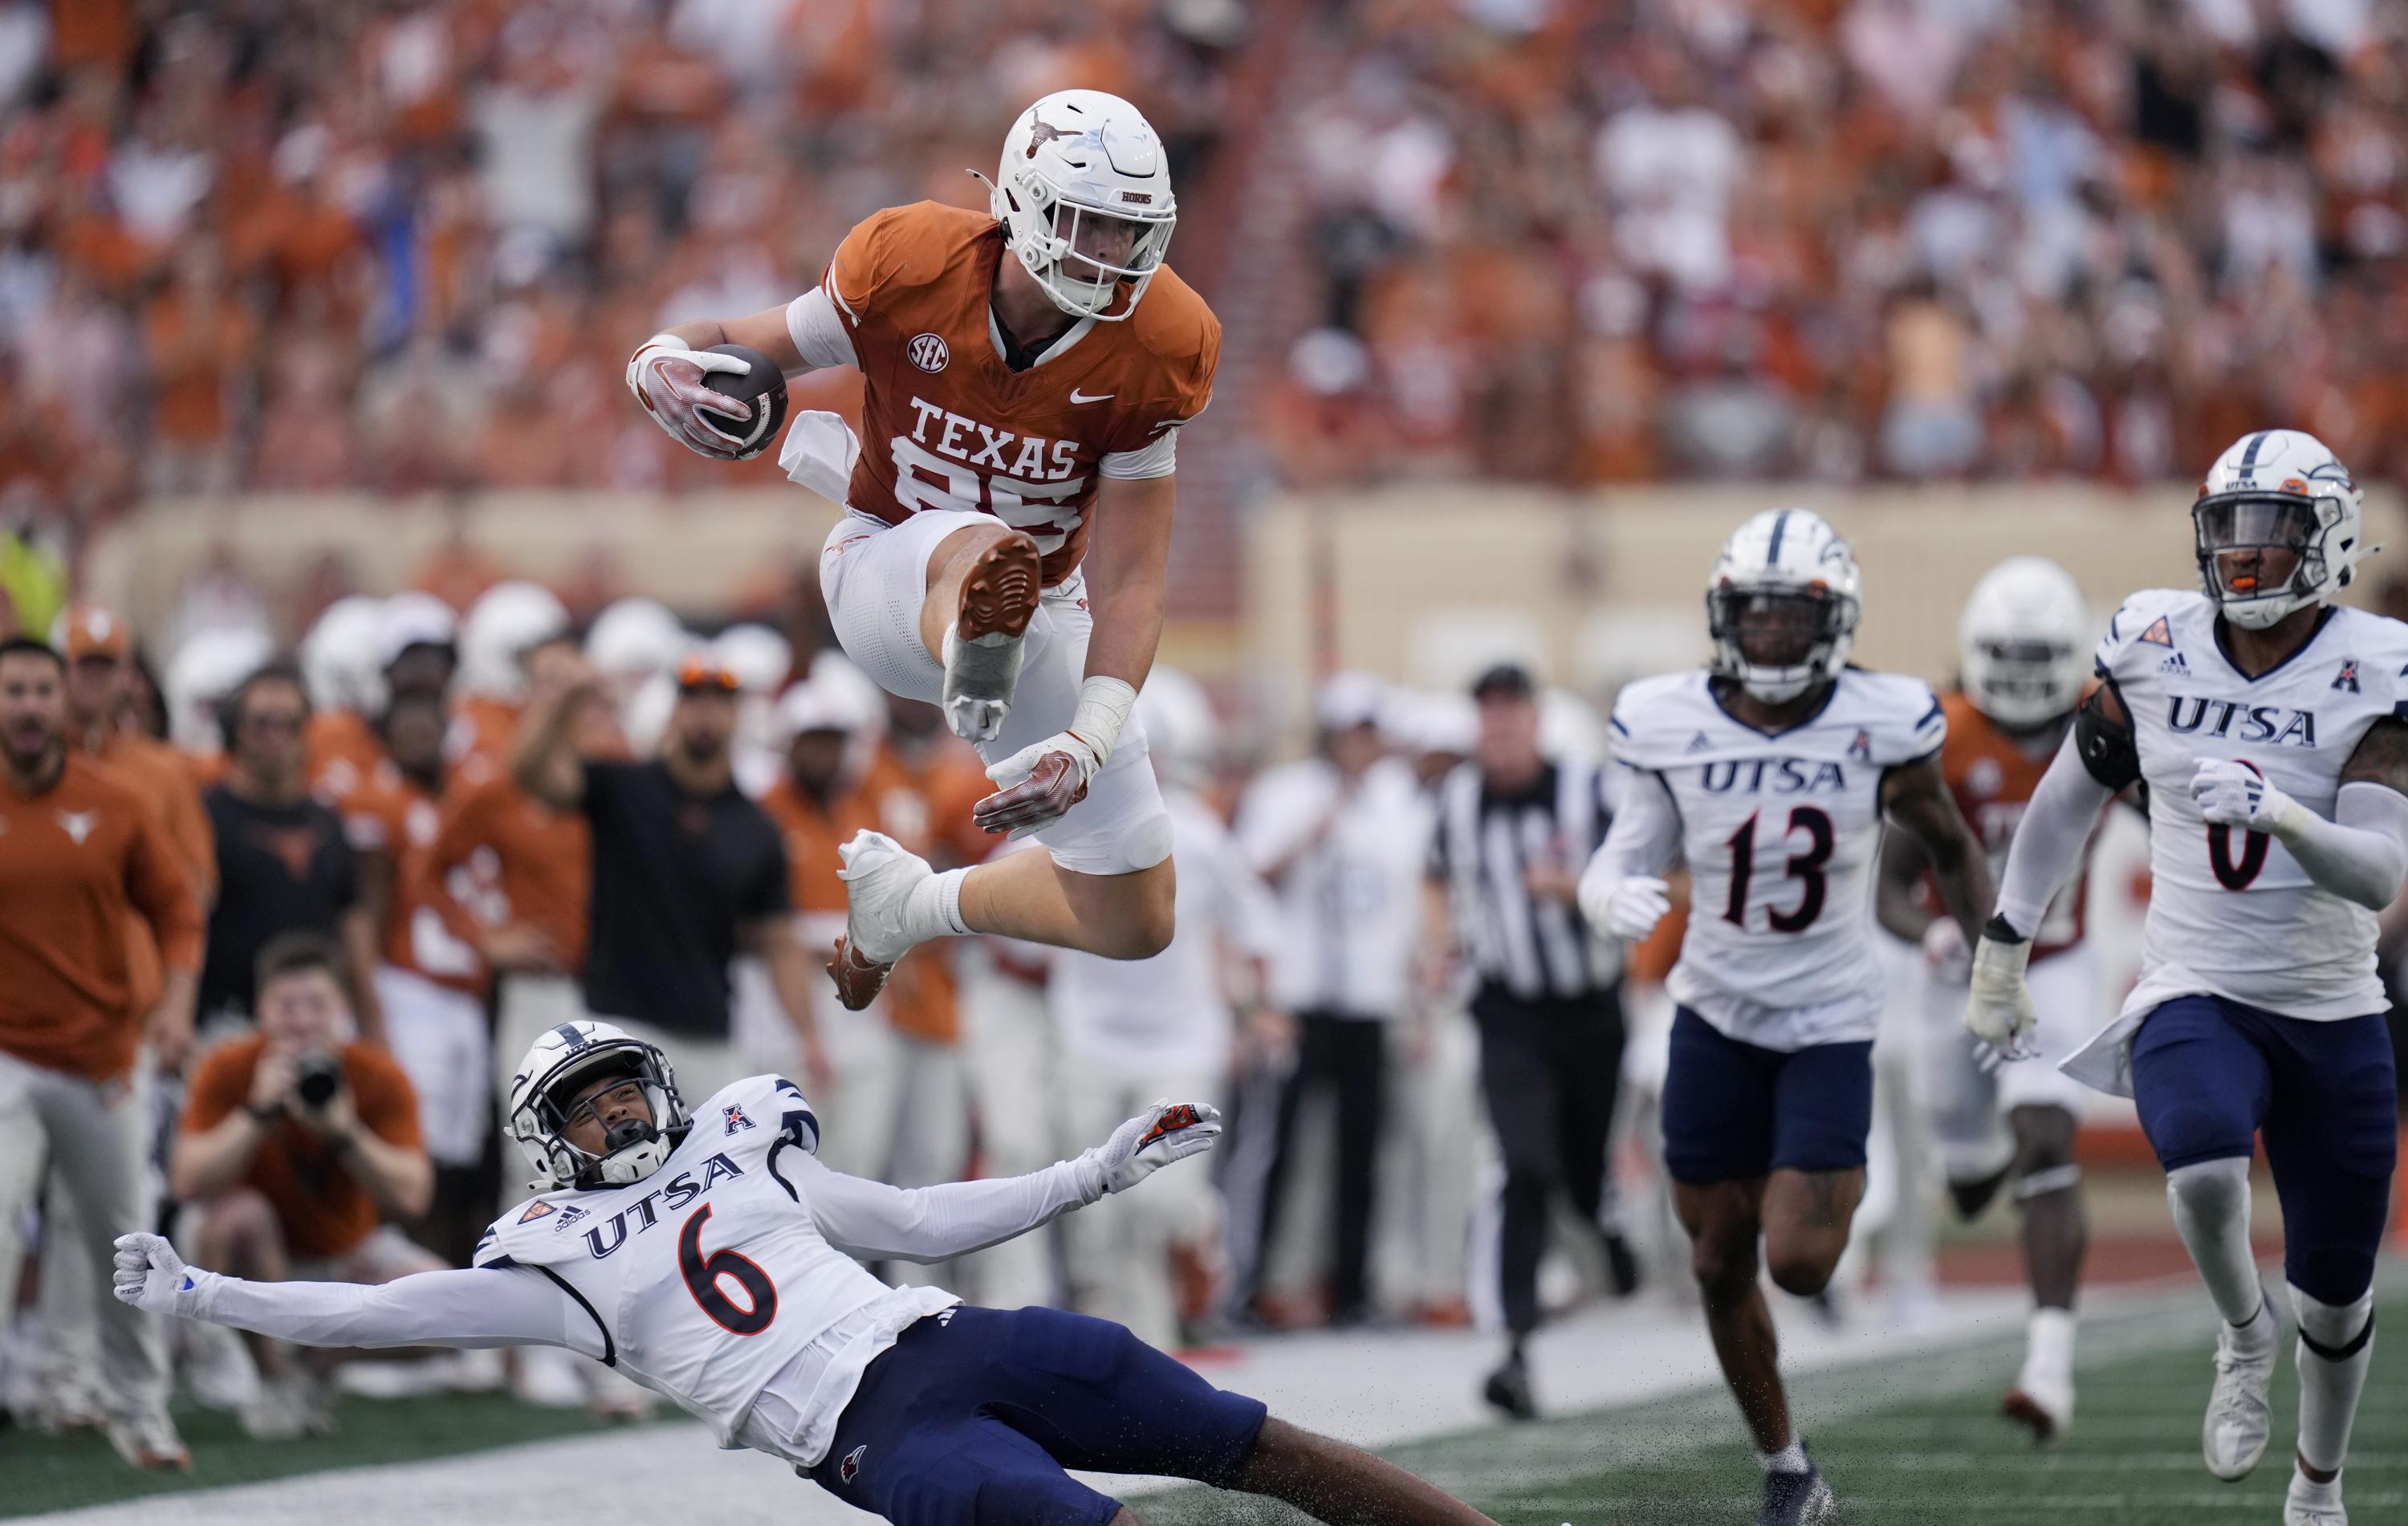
x: 2023, y: 643
x: 636, y: 637
x: 208, y: 666
x: 2277, y: 490
x: 339, y: 656
x: 1082, y: 171
x: 1176, y: 715
x: 505, y: 620
x: 1785, y: 557
x: 540, y: 1110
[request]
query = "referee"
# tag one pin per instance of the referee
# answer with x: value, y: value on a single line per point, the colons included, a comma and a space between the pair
x: 1514, y: 829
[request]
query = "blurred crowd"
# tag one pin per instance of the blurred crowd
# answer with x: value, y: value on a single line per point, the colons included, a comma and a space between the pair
x: 289, y: 924
x: 1840, y: 239
x: 407, y: 244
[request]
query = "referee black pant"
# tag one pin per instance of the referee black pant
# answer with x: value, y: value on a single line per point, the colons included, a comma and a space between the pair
x: 1550, y: 1068
x: 1347, y: 1053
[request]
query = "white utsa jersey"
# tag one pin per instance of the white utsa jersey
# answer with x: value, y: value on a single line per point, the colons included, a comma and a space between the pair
x: 1781, y: 833
x: 707, y: 1277
x: 2232, y: 913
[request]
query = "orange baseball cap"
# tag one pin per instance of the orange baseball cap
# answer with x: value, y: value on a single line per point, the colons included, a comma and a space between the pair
x: 89, y: 631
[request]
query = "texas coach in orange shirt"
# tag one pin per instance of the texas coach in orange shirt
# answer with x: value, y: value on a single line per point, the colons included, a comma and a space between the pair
x: 80, y: 852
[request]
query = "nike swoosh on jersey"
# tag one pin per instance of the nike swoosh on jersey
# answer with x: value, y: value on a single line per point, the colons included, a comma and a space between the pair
x: 1078, y: 396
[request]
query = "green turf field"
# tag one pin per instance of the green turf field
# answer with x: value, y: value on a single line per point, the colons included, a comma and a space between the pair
x: 39, y: 1472
x: 1915, y: 1441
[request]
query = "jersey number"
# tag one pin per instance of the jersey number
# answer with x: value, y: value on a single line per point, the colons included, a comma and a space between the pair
x: 2228, y: 874
x: 703, y: 1273
x: 924, y: 480
x: 1805, y: 868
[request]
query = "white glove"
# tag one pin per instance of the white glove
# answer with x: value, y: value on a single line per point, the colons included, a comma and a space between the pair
x: 667, y: 377
x: 152, y: 1277
x: 1628, y: 909
x: 1164, y: 1133
x: 1999, y: 1008
x: 1037, y: 785
x: 1944, y: 954
x: 2233, y: 793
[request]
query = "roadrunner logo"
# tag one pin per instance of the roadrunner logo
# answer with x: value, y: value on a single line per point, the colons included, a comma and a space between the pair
x: 851, y: 1467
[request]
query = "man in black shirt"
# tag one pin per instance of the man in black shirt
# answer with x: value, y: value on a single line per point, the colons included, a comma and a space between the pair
x: 282, y: 861
x: 686, y: 872
x: 1514, y: 830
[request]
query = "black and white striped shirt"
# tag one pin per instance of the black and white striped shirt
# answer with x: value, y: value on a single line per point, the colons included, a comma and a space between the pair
x: 1487, y: 840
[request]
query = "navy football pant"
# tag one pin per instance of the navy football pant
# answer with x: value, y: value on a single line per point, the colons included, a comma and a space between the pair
x: 971, y: 1417
x: 2209, y: 1075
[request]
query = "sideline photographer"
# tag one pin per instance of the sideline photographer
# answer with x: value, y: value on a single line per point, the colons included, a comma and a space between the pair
x: 295, y: 1145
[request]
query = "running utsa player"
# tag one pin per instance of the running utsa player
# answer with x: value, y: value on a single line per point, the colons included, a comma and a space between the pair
x: 1771, y: 773
x: 1006, y: 549
x: 707, y: 1257
x: 2265, y: 723
x: 2022, y: 646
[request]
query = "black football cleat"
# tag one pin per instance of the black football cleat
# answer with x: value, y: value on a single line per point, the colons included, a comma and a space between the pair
x: 1509, y: 1389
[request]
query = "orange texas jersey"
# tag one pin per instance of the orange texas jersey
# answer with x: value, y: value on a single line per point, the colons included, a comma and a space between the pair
x: 946, y: 424
x: 1993, y: 781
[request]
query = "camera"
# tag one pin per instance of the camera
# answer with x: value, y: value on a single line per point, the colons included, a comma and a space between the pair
x: 317, y: 1079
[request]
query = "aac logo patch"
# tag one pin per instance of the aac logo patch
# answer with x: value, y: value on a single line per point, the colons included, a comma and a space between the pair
x: 538, y: 1209
x: 928, y: 352
x: 851, y: 1467
x: 2347, y: 677
x: 734, y: 1112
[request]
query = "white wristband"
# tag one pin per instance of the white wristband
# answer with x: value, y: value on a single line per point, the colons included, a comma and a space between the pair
x: 1103, y: 709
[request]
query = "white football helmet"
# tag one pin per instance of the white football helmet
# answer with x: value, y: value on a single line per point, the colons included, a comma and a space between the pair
x: 2277, y: 490
x: 1784, y: 568
x: 505, y: 620
x: 760, y: 658
x: 1083, y: 194
x: 338, y: 657
x: 636, y: 637
x: 539, y: 1113
x: 209, y: 666
x: 412, y: 618
x: 2023, y: 643
x: 1176, y: 715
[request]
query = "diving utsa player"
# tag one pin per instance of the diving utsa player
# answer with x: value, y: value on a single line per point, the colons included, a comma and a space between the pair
x: 708, y: 1256
x: 1006, y: 548
x: 2267, y: 725
x: 1772, y: 771
x: 2022, y: 646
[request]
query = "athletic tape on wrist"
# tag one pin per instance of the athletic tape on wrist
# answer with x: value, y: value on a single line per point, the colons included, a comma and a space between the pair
x: 1104, y: 704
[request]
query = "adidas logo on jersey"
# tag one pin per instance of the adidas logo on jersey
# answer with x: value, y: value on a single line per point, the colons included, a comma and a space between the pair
x: 1700, y: 744
x: 2176, y: 665
x: 568, y: 1215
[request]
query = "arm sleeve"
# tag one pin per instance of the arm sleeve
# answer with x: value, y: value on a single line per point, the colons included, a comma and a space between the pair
x: 1646, y: 831
x: 2048, y: 844
x: 818, y: 331
x: 872, y: 1220
x: 1159, y: 459
x: 2361, y: 855
x: 511, y: 1305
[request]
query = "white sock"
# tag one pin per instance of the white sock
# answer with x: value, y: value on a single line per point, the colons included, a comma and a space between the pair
x: 2048, y: 1341
x: 2211, y: 1204
x: 1790, y: 1459
x: 934, y: 907
x: 2308, y: 1491
x: 2329, y: 1389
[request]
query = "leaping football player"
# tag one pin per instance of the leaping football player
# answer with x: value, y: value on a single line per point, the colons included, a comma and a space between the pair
x: 708, y: 1256
x: 1772, y: 771
x: 2021, y: 647
x: 2265, y: 723
x: 1005, y: 552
